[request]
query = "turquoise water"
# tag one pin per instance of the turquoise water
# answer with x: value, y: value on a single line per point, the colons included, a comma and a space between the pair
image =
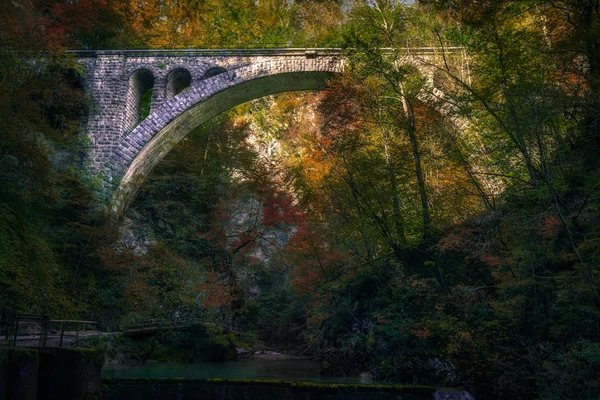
x: 290, y: 369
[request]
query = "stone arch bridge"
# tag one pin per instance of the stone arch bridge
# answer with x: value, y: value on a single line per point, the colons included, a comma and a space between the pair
x: 145, y: 101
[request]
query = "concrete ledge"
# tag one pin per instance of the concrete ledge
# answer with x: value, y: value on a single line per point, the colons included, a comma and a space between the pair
x: 275, y: 51
x: 50, y: 373
x: 271, y: 51
x: 70, y: 373
x: 150, y: 389
x: 18, y: 373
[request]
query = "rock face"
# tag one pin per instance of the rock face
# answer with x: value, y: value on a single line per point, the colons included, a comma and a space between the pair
x: 366, y: 377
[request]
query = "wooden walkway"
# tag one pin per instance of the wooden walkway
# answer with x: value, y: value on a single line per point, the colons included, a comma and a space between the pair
x: 40, y: 330
x: 152, y: 326
x: 19, y: 328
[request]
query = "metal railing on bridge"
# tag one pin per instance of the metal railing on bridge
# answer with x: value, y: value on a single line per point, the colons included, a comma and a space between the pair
x: 29, y: 328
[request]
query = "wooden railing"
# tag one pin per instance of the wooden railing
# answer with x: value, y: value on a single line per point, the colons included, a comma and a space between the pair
x: 77, y: 329
x: 153, y: 325
x: 27, y: 327
x: 23, y: 328
x: 149, y: 326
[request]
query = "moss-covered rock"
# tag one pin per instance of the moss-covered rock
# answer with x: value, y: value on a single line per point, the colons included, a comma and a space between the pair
x: 93, y: 355
x: 220, y: 348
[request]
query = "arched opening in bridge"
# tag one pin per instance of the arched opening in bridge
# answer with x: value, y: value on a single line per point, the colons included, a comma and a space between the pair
x: 177, y: 81
x: 139, y: 98
x: 214, y: 71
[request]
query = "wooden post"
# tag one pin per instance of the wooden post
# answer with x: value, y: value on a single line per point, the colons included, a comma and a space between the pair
x: 62, y: 332
x: 16, y: 332
x: 47, y: 325
x: 77, y: 336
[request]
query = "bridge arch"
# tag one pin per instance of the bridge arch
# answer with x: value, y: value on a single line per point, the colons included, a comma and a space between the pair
x: 140, y: 150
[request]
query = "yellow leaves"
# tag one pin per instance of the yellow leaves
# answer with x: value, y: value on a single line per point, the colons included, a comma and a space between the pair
x: 313, y: 168
x: 317, y: 319
x: 318, y: 20
x: 461, y: 342
x: 241, y: 121
x: 140, y: 293
x: 506, y: 309
x: 452, y: 193
x: 159, y: 24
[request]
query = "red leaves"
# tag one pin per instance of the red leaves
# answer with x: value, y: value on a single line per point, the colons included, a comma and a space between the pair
x: 342, y: 109
x: 490, y: 260
x: 84, y: 18
x: 245, y: 241
x: 213, y: 292
x: 463, y: 238
x: 239, y: 225
x: 313, y: 259
x: 280, y: 210
x: 423, y: 333
x: 550, y: 227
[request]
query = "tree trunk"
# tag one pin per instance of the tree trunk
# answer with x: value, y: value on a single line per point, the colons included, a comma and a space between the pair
x: 590, y: 11
x: 398, y: 221
x: 414, y: 145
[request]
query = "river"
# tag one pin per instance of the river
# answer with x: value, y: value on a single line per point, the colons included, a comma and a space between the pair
x: 283, y: 368
x: 264, y: 368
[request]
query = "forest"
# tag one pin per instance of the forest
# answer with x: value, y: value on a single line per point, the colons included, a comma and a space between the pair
x: 445, y: 240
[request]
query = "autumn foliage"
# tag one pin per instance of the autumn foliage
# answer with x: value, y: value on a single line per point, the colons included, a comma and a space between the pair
x: 432, y: 224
